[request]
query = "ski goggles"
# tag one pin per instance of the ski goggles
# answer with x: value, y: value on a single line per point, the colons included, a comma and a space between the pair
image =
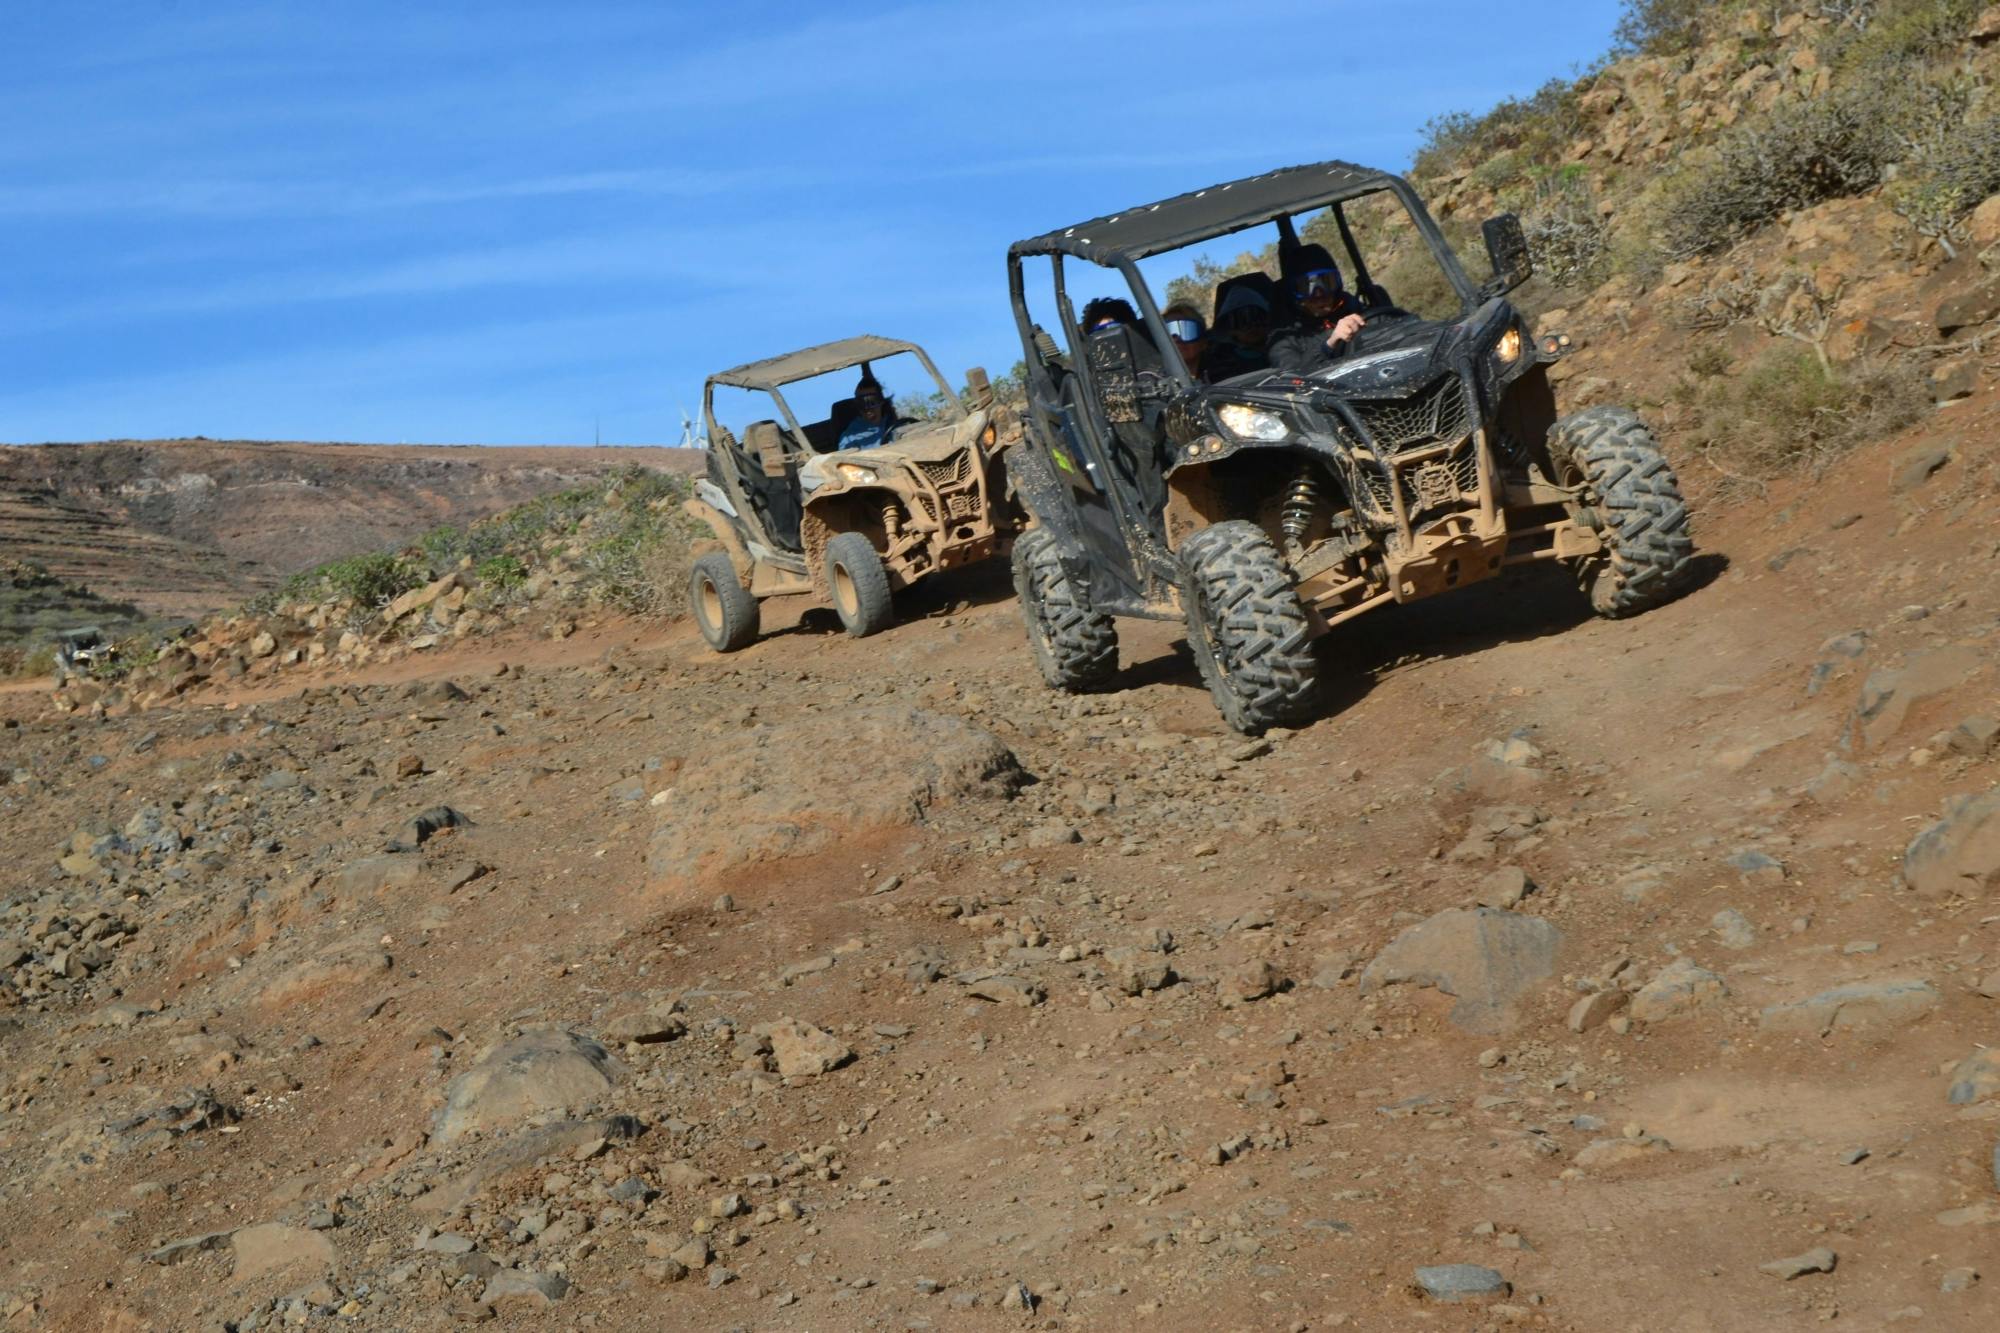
x: 1320, y: 282
x: 1184, y: 330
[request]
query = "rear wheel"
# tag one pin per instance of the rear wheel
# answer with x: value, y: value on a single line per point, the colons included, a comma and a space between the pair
x: 1636, y: 499
x: 1075, y: 647
x: 859, y: 585
x: 1247, y: 627
x: 724, y: 611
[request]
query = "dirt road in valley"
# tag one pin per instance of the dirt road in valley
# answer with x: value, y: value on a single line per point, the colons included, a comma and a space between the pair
x: 1572, y: 951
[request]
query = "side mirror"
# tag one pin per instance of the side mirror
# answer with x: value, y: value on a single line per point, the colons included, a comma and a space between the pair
x: 978, y: 389
x: 1507, y: 247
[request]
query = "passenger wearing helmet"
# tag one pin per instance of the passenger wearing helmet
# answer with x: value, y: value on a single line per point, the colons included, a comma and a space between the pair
x: 1242, y: 325
x: 1329, y: 320
x: 874, y: 421
x: 1189, y: 335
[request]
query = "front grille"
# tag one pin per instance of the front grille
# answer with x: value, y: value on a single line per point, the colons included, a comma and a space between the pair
x: 1431, y: 486
x: 954, y: 471
x: 1441, y: 412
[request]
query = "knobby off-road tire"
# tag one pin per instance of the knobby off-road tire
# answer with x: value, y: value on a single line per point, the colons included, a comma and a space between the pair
x: 1638, y: 501
x: 1247, y: 627
x: 858, y: 585
x: 1075, y: 647
x: 723, y: 609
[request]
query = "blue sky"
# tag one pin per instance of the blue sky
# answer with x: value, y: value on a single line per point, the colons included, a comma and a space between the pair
x: 521, y: 223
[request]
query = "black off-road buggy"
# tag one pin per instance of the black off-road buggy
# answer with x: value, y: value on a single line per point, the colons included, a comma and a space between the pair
x: 1268, y: 508
x: 791, y: 513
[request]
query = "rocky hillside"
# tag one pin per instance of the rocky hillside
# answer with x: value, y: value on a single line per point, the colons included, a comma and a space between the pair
x: 184, y: 527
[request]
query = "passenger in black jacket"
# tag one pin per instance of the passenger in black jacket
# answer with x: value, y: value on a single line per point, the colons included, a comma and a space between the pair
x: 1329, y: 319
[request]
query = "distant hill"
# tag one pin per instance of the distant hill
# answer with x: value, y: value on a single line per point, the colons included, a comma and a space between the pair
x: 182, y: 527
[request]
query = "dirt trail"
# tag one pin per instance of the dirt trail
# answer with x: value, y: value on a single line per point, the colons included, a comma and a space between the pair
x: 1123, y: 1027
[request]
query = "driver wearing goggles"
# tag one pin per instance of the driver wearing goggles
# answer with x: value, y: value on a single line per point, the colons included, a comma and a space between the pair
x: 1189, y: 334
x: 1329, y: 320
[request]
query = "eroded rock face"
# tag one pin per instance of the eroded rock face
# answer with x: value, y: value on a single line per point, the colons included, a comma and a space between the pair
x: 1487, y: 958
x: 1960, y: 854
x: 790, y: 789
x: 534, y: 1073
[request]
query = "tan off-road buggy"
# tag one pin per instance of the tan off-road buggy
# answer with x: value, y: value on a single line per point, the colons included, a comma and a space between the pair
x: 792, y: 514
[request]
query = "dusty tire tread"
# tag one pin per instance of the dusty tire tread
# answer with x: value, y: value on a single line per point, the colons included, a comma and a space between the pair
x: 1255, y: 653
x: 1075, y: 647
x: 876, y: 609
x: 1639, y: 500
x: 739, y: 609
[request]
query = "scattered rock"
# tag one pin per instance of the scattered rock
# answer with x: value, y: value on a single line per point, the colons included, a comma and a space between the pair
x: 1504, y: 888
x: 801, y: 1050
x: 1488, y: 959
x: 427, y: 825
x: 525, y: 1286
x: 790, y: 789
x: 1732, y: 929
x: 1819, y: 1260
x: 180, y: 1251
x: 1246, y: 982
x: 1136, y: 971
x: 1595, y: 1009
x: 1678, y: 988
x: 1890, y: 692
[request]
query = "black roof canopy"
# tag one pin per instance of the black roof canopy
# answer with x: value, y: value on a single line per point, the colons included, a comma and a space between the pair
x: 1200, y: 215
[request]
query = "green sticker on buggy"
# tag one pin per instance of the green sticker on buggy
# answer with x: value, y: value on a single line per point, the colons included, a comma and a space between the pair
x: 1062, y: 460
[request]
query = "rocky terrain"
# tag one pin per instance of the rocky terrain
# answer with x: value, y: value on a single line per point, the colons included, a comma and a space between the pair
x: 361, y: 969
x: 1567, y: 969
x: 182, y: 528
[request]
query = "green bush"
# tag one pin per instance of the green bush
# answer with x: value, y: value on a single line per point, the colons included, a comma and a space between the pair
x: 1787, y: 410
x: 1568, y: 237
x: 1668, y: 27
x: 1892, y: 35
x: 1525, y: 131
x: 1800, y: 154
x: 368, y: 581
x: 1949, y: 175
x: 502, y: 572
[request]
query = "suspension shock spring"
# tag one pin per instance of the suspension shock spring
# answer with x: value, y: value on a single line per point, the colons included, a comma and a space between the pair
x: 1302, y: 504
x: 892, y: 521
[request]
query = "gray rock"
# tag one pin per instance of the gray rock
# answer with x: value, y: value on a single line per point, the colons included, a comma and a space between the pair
x: 450, y: 1243
x: 1732, y: 929
x: 1488, y: 959
x: 375, y: 874
x: 1819, y: 1260
x: 1960, y: 854
x: 180, y: 1251
x: 1136, y: 971
x: 1917, y: 466
x: 426, y: 826
x: 1976, y: 1078
x: 1505, y: 888
x: 1757, y: 867
x: 1456, y: 1283
x: 537, y: 1072
x: 526, y: 1286
x: 1835, y: 782
x: 1679, y: 988
x: 1956, y: 1280
x: 1866, y: 1006
x: 1976, y: 737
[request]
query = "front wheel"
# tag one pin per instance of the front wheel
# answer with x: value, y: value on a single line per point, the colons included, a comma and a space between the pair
x: 1248, y: 629
x: 859, y: 585
x: 724, y: 611
x: 1641, y: 518
x: 1075, y: 646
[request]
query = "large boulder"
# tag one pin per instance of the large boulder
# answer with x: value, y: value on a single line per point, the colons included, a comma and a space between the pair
x: 1960, y: 854
x: 793, y: 788
x: 1486, y: 958
x: 535, y: 1073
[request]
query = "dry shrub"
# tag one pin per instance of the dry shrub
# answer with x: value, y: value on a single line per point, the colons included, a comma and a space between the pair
x: 664, y: 566
x: 1787, y: 410
x: 1798, y: 155
x: 1568, y: 237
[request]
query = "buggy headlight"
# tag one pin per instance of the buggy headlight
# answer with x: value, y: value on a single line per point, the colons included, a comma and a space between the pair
x: 1508, y: 349
x: 1252, y: 423
x: 855, y: 472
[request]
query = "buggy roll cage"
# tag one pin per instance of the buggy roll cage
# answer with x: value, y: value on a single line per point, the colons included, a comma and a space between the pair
x: 1119, y: 240
x: 770, y: 375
